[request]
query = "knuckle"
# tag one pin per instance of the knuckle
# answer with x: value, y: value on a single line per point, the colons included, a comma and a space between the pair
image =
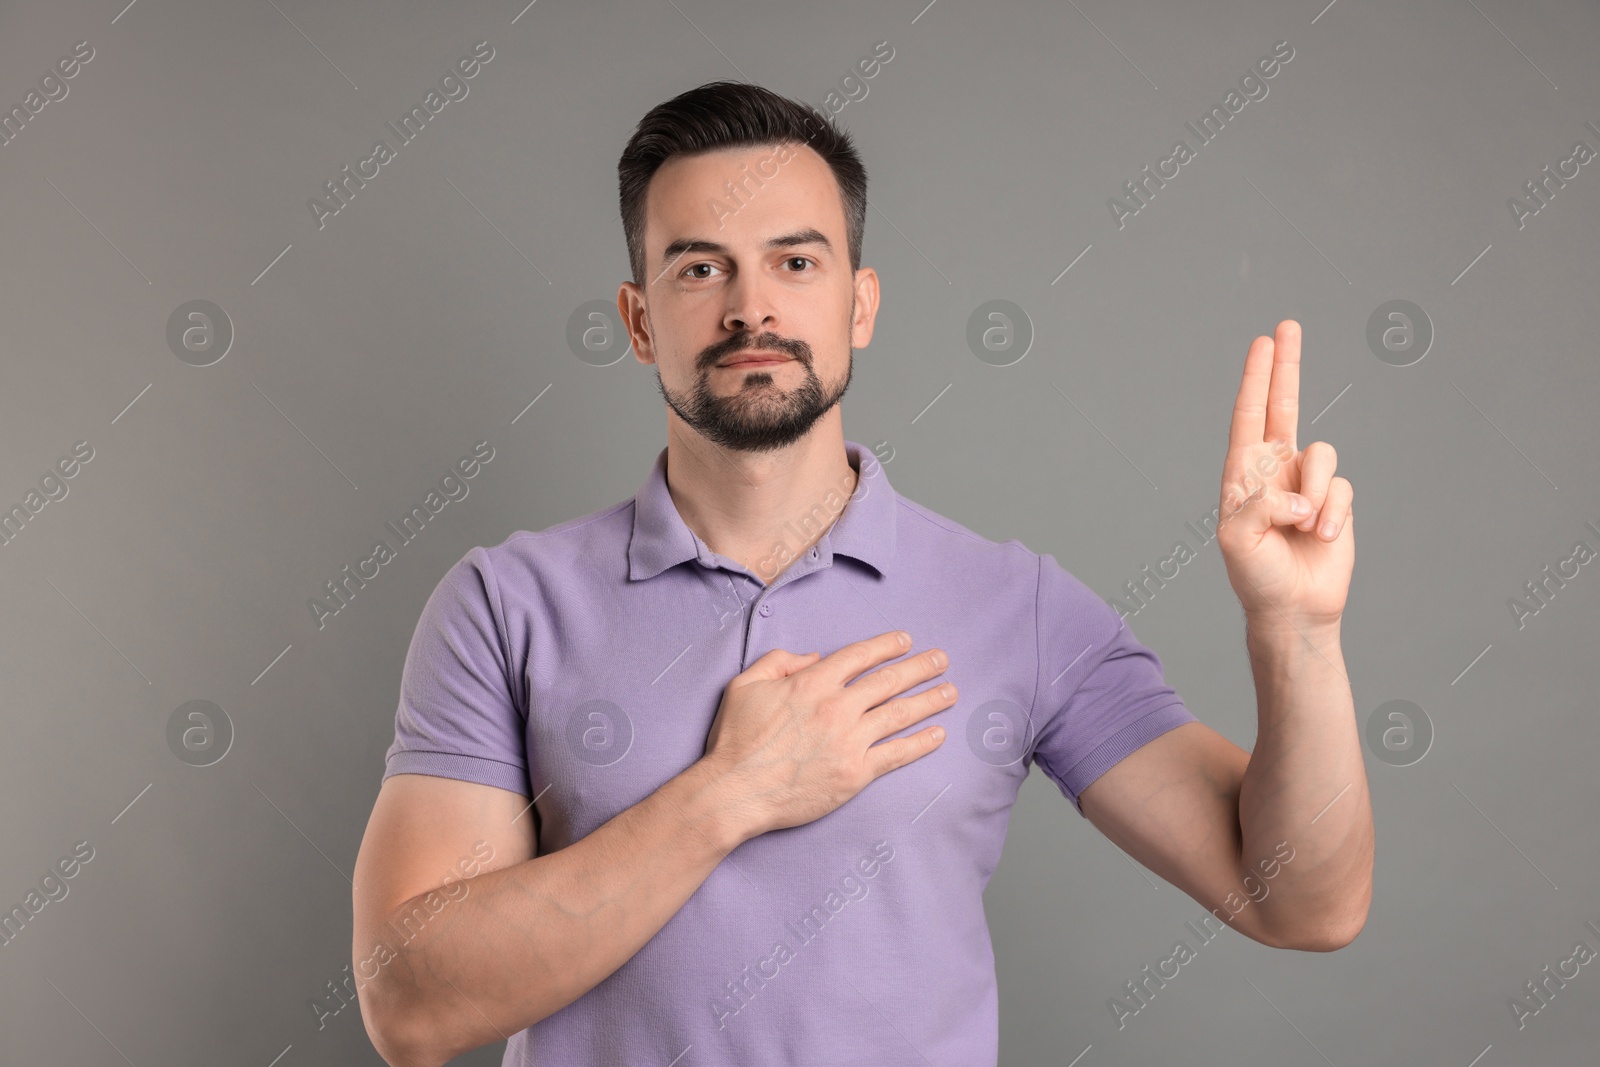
x: 858, y: 660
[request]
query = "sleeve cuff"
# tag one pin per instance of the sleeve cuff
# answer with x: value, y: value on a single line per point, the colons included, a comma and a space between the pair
x: 1120, y: 745
x: 463, y: 768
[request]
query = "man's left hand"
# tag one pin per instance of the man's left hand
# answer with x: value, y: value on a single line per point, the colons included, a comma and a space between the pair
x: 1287, y: 569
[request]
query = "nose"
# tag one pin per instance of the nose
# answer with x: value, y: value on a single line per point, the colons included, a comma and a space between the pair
x: 749, y: 308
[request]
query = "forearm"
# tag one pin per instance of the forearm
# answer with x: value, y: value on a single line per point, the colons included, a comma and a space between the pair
x: 1306, y: 785
x: 529, y: 939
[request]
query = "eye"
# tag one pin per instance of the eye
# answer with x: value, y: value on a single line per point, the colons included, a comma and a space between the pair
x: 797, y: 259
x: 697, y: 266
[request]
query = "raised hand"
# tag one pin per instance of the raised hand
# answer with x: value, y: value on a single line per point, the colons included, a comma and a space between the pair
x: 1287, y: 568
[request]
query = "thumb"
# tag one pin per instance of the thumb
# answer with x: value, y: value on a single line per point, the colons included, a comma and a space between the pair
x: 779, y: 663
x: 1268, y: 506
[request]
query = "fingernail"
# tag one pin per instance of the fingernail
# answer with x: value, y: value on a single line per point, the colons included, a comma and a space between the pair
x: 1299, y: 505
x: 1329, y: 529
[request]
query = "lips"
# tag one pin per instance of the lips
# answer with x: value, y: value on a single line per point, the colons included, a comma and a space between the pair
x: 755, y: 359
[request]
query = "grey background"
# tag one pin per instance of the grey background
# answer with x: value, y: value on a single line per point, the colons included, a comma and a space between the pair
x: 425, y: 317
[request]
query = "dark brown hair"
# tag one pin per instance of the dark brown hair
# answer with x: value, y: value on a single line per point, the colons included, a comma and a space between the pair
x: 725, y: 114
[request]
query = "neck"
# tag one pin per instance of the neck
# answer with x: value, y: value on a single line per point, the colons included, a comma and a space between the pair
x: 762, y: 510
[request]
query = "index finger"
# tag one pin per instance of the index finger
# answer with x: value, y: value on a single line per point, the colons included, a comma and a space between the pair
x: 853, y: 659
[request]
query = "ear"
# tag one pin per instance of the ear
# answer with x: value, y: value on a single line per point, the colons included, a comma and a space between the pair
x: 866, y: 308
x: 631, y: 309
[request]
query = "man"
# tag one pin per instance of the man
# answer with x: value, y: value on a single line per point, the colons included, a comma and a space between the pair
x: 711, y: 808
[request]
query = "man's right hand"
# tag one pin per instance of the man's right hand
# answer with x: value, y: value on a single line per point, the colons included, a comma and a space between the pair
x: 793, y: 741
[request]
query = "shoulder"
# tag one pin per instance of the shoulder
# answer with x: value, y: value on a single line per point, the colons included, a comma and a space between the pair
x: 529, y: 564
x: 1004, y: 575
x: 1064, y: 607
x: 926, y: 533
x: 959, y: 550
x: 582, y: 543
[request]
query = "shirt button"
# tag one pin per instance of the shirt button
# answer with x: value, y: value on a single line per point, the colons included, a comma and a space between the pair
x: 766, y: 609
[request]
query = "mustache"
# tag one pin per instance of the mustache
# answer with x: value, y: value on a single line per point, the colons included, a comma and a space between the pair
x: 743, y: 342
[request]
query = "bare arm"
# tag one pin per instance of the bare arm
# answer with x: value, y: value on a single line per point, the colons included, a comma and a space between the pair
x: 1277, y: 843
x: 1193, y: 806
x: 526, y: 939
x: 1306, y: 783
x: 479, y: 959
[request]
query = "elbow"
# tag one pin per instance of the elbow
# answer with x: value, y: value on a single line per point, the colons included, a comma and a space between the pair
x: 1348, y: 932
x: 1325, y: 942
x: 394, y: 1031
x: 1329, y: 936
x: 409, y: 1028
x: 399, y: 1049
x: 1326, y: 929
x: 389, y: 1044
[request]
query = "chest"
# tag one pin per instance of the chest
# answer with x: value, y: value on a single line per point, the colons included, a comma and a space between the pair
x: 623, y: 688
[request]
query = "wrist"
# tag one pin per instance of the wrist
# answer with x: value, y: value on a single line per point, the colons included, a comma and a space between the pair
x: 1276, y: 628
x: 714, y: 802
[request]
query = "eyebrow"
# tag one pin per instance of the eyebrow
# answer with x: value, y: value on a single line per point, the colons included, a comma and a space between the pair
x: 684, y: 245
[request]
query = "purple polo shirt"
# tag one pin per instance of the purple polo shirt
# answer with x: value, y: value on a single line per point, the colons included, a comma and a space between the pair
x: 582, y: 665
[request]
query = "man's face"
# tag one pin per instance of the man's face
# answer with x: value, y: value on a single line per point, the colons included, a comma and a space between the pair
x: 762, y: 268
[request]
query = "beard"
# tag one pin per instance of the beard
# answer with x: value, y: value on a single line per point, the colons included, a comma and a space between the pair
x: 761, y: 415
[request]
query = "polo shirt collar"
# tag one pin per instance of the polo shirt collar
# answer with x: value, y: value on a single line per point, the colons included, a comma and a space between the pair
x: 865, y: 530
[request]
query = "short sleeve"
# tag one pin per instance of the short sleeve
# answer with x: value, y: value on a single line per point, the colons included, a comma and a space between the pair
x: 1101, y: 694
x: 458, y: 715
